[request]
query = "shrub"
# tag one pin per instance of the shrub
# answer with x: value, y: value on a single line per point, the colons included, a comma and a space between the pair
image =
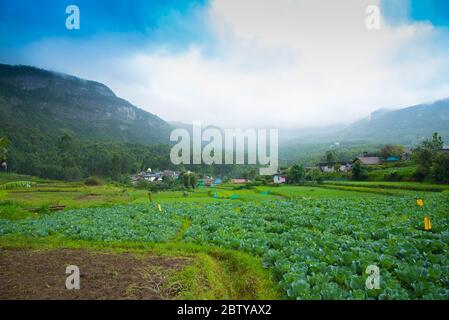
x: 421, y: 173
x: 143, y: 185
x: 394, y: 176
x: 93, y: 181
x: 359, y: 172
x: 441, y: 168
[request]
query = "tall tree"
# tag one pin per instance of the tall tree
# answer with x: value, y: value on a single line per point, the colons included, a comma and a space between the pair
x: 66, y: 148
x: 441, y: 167
x: 425, y: 155
x: 116, y: 169
x: 193, y: 180
x: 3, y: 144
x: 295, y: 174
x: 331, y: 156
x: 359, y: 171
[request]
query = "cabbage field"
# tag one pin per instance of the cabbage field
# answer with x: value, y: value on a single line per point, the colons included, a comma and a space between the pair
x: 316, y: 248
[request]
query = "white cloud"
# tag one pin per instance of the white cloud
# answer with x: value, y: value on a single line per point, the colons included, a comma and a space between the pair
x: 291, y: 63
x: 294, y: 63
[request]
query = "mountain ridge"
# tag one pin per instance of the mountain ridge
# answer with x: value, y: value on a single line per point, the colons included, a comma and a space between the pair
x: 55, y: 103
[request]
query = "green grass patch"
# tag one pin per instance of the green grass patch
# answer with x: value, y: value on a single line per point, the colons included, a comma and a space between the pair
x: 412, y: 186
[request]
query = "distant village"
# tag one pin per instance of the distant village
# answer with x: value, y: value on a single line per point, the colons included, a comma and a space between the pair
x: 280, y: 177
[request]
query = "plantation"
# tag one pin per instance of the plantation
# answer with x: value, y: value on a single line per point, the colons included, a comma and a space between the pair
x: 316, y: 247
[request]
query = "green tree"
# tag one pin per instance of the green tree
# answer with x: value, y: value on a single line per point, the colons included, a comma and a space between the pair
x: 4, y: 142
x: 425, y: 155
x: 116, y: 167
x: 392, y: 151
x: 193, y: 180
x: 295, y: 174
x: 441, y: 168
x: 66, y: 148
x: 359, y: 171
x: 250, y: 174
x: 185, y: 178
x: 331, y: 156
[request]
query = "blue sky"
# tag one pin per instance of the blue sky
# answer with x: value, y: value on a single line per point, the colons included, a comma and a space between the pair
x: 288, y: 62
x: 26, y: 21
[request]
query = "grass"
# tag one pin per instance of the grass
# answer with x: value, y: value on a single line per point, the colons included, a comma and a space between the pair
x: 383, y: 173
x: 10, y: 177
x: 411, y: 186
x: 308, y: 192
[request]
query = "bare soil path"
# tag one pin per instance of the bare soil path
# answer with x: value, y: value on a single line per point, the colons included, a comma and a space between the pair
x: 40, y: 274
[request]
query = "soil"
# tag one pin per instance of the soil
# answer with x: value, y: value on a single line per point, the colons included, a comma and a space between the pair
x: 30, y: 274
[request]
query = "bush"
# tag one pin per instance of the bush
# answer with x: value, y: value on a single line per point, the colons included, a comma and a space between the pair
x: 421, y: 173
x: 441, y: 168
x: 143, y: 185
x: 394, y: 176
x: 93, y: 181
x: 359, y: 171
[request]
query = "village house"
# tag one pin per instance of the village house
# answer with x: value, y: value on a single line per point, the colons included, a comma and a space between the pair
x: 170, y: 174
x: 335, y: 167
x: 369, y: 159
x: 279, y: 178
x: 239, y: 181
x: 153, y: 176
x: 205, y: 182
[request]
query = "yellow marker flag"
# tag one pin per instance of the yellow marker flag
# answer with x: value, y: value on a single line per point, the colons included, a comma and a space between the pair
x: 420, y: 202
x: 159, y: 207
x: 427, y: 224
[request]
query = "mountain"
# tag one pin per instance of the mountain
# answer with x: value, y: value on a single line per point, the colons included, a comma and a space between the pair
x: 407, y: 126
x: 40, y: 102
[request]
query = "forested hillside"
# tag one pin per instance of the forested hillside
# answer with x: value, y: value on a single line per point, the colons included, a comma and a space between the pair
x: 47, y: 116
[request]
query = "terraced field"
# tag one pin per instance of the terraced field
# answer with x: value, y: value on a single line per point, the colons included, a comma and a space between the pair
x: 316, y: 245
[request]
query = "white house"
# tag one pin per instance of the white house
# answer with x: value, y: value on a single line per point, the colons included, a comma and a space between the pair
x: 279, y: 178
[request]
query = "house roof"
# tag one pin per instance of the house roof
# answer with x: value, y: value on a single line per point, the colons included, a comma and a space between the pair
x: 324, y: 164
x: 238, y: 180
x: 370, y: 160
x: 393, y: 158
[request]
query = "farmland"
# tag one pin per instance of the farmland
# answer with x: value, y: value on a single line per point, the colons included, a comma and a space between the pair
x: 289, y: 242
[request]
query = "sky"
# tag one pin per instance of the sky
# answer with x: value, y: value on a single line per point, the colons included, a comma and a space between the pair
x: 242, y: 63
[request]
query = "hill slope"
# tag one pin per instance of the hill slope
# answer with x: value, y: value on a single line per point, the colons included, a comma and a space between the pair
x: 39, y: 102
x: 407, y: 126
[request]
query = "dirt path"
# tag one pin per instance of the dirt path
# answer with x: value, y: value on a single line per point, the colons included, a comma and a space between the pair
x: 31, y: 274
